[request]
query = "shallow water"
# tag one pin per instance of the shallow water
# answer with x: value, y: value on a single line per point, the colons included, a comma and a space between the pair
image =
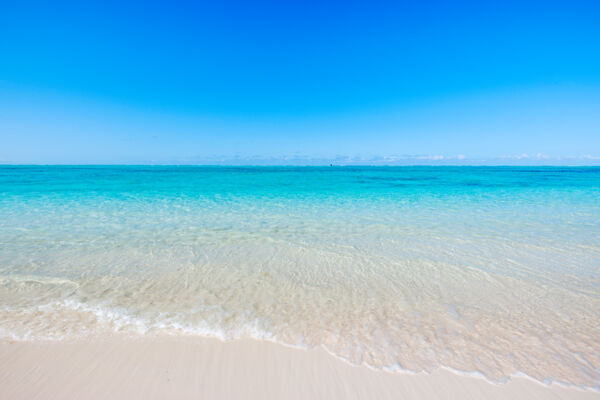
x: 489, y: 269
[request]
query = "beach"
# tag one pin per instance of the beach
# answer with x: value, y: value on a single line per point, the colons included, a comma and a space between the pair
x: 295, y: 274
x: 300, y: 200
x: 187, y: 368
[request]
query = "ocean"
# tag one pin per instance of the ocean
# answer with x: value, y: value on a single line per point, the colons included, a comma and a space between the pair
x: 490, y: 270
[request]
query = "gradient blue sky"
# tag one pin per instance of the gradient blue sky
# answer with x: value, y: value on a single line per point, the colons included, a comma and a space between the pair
x: 300, y: 82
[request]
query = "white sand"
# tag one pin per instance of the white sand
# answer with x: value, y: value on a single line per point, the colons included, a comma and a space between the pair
x: 210, y: 369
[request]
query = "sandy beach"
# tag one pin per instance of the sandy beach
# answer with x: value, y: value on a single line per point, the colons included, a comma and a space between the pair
x: 186, y: 368
x: 300, y: 200
x: 166, y: 282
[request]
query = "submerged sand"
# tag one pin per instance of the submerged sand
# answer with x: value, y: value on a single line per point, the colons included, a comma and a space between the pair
x: 186, y: 368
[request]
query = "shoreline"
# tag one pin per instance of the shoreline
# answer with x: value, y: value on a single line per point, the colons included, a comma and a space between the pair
x: 185, y: 367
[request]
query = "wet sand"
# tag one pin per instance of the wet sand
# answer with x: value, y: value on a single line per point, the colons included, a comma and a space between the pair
x: 186, y: 368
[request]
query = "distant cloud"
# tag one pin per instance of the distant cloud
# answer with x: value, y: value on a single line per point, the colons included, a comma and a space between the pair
x: 371, y: 159
x: 392, y: 159
x: 434, y: 157
x: 517, y: 156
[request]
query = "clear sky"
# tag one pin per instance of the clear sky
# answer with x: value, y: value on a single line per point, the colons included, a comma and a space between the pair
x: 300, y: 82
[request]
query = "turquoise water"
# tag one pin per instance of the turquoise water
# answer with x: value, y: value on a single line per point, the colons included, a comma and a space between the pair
x: 481, y: 269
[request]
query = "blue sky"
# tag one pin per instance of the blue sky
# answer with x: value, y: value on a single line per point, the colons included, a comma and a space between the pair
x: 300, y: 82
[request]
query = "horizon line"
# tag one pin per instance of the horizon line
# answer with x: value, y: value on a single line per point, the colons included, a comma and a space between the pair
x: 292, y: 165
